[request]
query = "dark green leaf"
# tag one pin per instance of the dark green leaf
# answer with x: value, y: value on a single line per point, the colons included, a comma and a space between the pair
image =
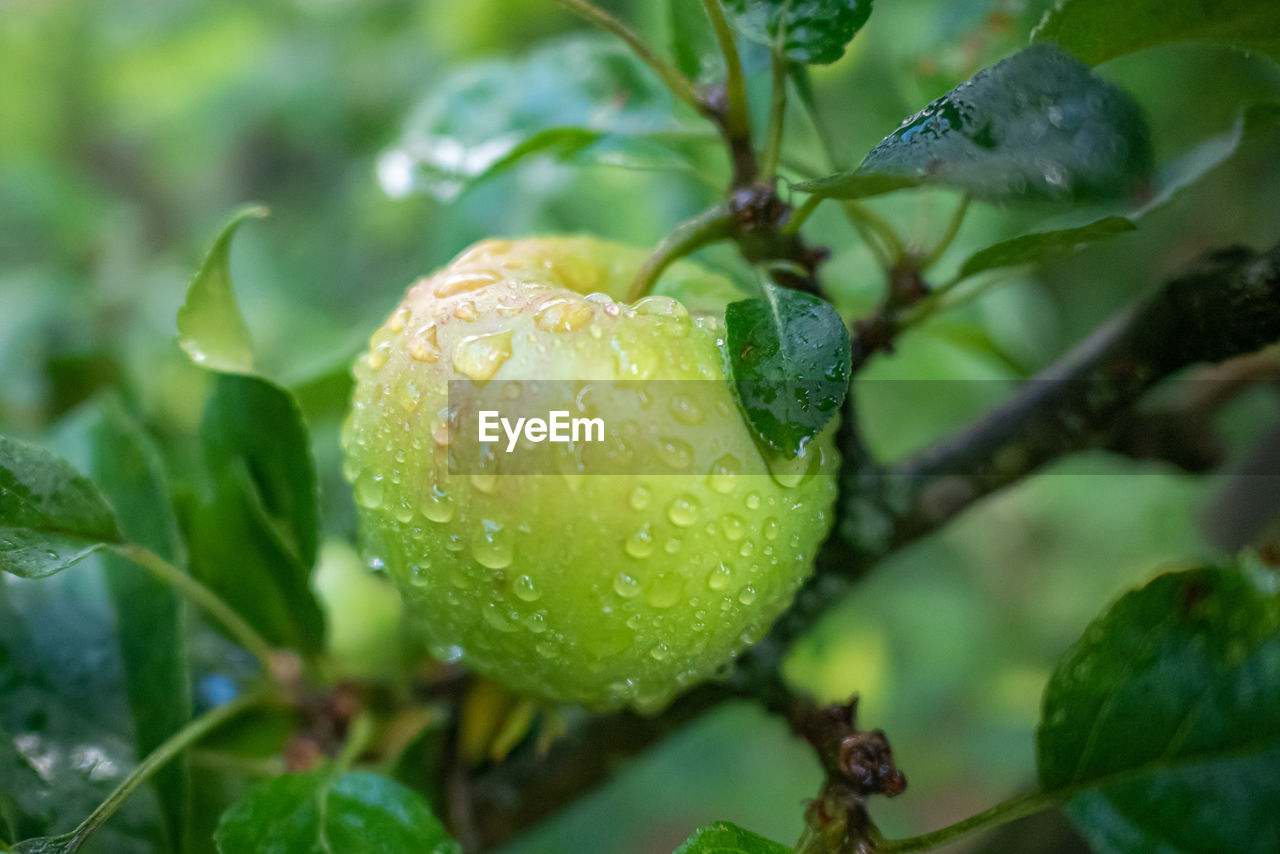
x: 127, y: 466
x: 725, y: 838
x: 313, y: 812
x: 253, y: 537
x: 566, y: 99
x: 790, y: 354
x: 64, y: 710
x: 210, y: 327
x: 813, y: 31
x: 1037, y: 247
x: 21, y: 813
x: 50, y: 515
x: 1038, y: 124
x: 1160, y: 728
x: 1097, y: 30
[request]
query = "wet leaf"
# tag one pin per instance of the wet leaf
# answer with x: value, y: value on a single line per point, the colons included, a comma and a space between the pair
x: 127, y: 466
x: 1097, y: 30
x: 64, y: 710
x: 253, y: 536
x: 51, y: 516
x: 1028, y: 248
x: 790, y: 356
x: 814, y: 31
x: 725, y: 838
x: 1037, y: 125
x: 565, y: 99
x: 1160, y: 728
x: 315, y: 812
x: 210, y: 327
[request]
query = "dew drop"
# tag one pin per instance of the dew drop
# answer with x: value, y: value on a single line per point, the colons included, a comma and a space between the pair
x: 465, y: 310
x: 404, y: 511
x: 493, y: 548
x: 732, y: 527
x: 665, y: 590
x: 747, y: 595
x: 640, y: 498
x: 675, y: 453
x: 525, y: 589
x: 625, y: 585
x: 719, y: 578
x: 469, y: 280
x: 425, y: 346
x: 659, y: 306
x: 723, y: 471
x: 379, y: 355
x: 753, y: 501
x: 747, y: 549
x: 685, y: 410
x: 563, y: 314
x: 683, y: 510
x: 661, y: 652
x: 369, y: 489
x: 438, y: 506
x: 479, y: 356
x: 770, y: 529
x: 400, y: 319
x: 640, y: 544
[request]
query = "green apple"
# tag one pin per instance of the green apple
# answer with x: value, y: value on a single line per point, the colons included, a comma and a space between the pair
x: 608, y: 589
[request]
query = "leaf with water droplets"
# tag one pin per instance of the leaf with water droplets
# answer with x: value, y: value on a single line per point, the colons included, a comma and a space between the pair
x: 1098, y: 30
x: 813, y: 31
x: 318, y: 812
x: 1160, y: 725
x: 51, y: 516
x: 210, y: 327
x: 790, y: 356
x: 587, y: 99
x: 1028, y: 248
x: 725, y: 838
x: 1039, y: 124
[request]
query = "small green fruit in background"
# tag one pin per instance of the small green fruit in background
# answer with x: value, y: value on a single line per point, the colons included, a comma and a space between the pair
x: 602, y: 589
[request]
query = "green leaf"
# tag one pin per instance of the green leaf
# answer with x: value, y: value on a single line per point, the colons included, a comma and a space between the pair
x: 314, y: 812
x: 725, y: 838
x: 51, y: 516
x: 1039, y: 124
x: 1160, y: 728
x: 588, y: 99
x: 790, y: 355
x: 1027, y: 248
x: 63, y: 707
x: 210, y: 327
x: 253, y: 536
x: 813, y: 31
x: 21, y: 814
x: 127, y: 467
x: 1097, y: 30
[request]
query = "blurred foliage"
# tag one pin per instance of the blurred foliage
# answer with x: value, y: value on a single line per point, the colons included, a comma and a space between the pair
x: 129, y: 130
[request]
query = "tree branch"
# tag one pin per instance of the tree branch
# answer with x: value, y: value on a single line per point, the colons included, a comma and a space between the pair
x: 1224, y: 305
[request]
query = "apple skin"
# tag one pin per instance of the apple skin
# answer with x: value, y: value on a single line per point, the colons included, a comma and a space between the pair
x: 608, y: 590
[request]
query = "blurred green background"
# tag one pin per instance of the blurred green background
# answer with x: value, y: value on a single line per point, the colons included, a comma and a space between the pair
x: 130, y: 130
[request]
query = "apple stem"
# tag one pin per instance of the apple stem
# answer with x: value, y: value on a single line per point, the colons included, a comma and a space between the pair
x: 713, y: 224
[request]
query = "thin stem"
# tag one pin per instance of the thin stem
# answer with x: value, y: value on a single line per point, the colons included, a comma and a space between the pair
x: 359, y: 734
x: 1001, y: 813
x: 802, y: 213
x: 777, y: 116
x: 737, y: 118
x: 711, y: 225
x: 175, y: 744
x: 804, y: 88
x: 860, y: 215
x: 671, y: 76
x: 953, y: 228
x: 244, y: 634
